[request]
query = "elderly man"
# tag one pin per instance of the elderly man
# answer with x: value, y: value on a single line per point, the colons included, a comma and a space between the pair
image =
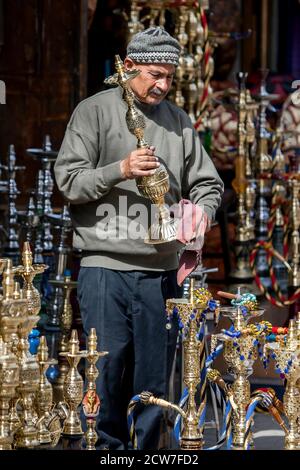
x: 123, y: 283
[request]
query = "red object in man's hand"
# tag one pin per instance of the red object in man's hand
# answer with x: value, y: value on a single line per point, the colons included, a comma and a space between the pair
x: 193, y: 223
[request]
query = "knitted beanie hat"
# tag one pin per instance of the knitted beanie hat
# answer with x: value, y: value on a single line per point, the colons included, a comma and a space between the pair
x: 154, y: 46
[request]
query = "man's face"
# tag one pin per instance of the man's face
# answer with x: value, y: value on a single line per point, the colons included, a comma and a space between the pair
x: 153, y: 83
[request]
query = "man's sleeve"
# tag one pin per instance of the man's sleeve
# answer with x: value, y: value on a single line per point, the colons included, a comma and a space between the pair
x: 201, y: 182
x: 76, y: 172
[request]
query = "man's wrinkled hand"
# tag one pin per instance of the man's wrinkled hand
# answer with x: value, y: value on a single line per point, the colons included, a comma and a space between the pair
x: 140, y: 162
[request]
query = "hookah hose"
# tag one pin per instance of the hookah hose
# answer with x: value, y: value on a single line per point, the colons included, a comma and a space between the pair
x: 264, y: 398
x: 226, y: 429
x: 183, y: 400
x: 280, y: 301
x: 226, y: 406
x: 261, y: 407
x: 260, y: 397
x: 130, y: 419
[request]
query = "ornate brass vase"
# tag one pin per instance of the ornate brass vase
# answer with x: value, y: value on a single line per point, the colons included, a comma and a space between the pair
x: 28, y: 271
x: 73, y: 387
x: 91, y: 401
x: 153, y: 187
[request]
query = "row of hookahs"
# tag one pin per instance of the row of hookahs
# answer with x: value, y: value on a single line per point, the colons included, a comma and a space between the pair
x: 242, y: 344
x: 30, y: 416
x: 39, y: 224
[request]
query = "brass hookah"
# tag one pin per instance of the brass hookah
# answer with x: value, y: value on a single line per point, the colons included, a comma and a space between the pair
x: 12, y: 312
x: 66, y: 320
x: 240, y: 353
x: 26, y: 435
x: 240, y: 184
x: 189, y: 312
x: 28, y: 271
x: 134, y: 24
x: 27, y: 416
x: 15, y: 342
x: 188, y: 78
x: 182, y: 37
x: 13, y: 307
x: 91, y: 401
x: 251, y: 114
x: 192, y: 89
x: 250, y: 193
x: 48, y: 424
x: 287, y: 356
x: 15, y: 331
x: 157, y: 13
x: 73, y: 388
x: 67, y: 313
x: 279, y: 195
x: 188, y: 83
x: 294, y: 278
x: 153, y: 187
x: 262, y: 171
x: 9, y: 376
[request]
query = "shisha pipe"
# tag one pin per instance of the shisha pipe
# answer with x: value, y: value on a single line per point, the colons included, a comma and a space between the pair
x: 267, y: 399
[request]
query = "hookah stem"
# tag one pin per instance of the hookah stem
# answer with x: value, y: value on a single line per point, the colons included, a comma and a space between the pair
x: 248, y: 419
x: 203, y: 382
x: 227, y: 295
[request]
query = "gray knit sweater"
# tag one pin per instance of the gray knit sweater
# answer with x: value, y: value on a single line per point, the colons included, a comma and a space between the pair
x: 108, y: 213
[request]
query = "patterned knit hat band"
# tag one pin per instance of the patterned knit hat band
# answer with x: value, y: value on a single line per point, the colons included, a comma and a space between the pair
x: 154, y: 45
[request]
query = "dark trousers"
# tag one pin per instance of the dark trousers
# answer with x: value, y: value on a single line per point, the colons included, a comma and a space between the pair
x: 127, y: 308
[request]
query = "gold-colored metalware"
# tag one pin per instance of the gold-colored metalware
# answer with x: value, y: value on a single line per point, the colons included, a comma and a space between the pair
x: 91, y: 401
x: 244, y: 229
x: 67, y: 313
x: 66, y: 320
x: 240, y: 354
x: 153, y: 187
x: 12, y: 310
x: 27, y: 435
x: 28, y: 271
x: 294, y: 275
x: 288, y: 360
x: 189, y: 312
x: 44, y: 394
x: 9, y: 377
x: 73, y: 387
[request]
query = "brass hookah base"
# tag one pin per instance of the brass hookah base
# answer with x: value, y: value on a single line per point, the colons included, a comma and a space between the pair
x: 291, y: 401
x: 242, y: 395
x: 191, y: 438
x: 164, y: 229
